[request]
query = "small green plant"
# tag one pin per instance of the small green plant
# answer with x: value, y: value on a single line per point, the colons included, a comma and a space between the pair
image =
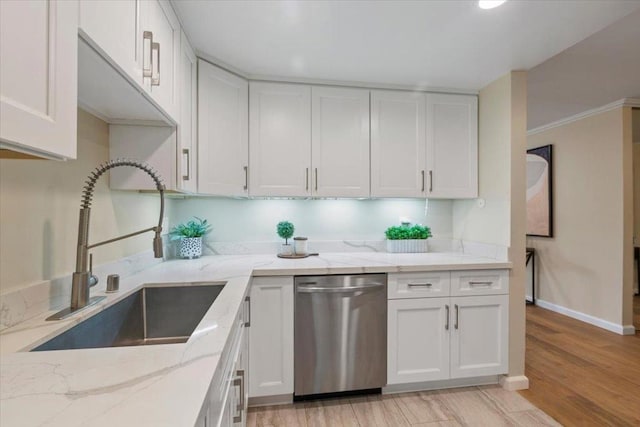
x: 406, y: 231
x: 193, y: 228
x: 285, y: 231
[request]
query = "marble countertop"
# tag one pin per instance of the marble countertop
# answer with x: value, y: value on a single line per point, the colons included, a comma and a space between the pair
x: 161, y: 385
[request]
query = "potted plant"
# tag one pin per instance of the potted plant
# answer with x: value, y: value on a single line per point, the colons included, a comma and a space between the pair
x: 407, y: 238
x: 190, y: 234
x: 285, y: 230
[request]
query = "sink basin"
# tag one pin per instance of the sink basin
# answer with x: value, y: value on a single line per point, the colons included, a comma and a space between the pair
x: 159, y: 314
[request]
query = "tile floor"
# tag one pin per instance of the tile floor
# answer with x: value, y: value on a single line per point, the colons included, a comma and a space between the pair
x: 489, y: 406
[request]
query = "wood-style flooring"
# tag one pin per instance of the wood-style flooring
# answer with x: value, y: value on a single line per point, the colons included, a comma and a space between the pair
x: 579, y: 374
x: 470, y: 406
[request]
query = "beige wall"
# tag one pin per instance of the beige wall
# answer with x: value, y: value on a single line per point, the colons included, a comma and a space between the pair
x: 39, y: 202
x: 584, y: 266
x: 498, y: 215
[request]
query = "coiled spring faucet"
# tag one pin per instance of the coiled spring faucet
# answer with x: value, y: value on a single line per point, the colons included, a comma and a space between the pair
x: 82, y: 278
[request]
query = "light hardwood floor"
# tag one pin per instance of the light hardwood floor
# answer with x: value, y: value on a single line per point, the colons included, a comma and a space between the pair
x: 471, y: 406
x: 579, y: 374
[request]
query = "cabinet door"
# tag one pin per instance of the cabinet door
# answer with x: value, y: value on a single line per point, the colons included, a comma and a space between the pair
x: 452, y: 146
x: 188, y: 73
x: 39, y: 77
x: 479, y: 338
x: 279, y: 139
x: 271, y: 336
x: 398, y: 144
x: 222, y: 132
x: 98, y: 18
x: 340, y: 142
x: 418, y: 340
x: 158, y: 17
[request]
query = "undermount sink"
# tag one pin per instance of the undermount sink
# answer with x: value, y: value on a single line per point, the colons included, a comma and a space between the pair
x: 158, y: 314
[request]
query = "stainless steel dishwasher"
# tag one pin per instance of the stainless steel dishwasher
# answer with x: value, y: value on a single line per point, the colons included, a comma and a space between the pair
x: 340, y: 338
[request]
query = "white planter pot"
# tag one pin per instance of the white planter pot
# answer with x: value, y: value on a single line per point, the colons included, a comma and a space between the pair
x: 407, y: 246
x: 286, y: 249
x: 191, y: 247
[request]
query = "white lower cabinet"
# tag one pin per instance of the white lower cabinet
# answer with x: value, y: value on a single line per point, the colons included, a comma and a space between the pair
x: 226, y: 401
x: 479, y: 336
x: 447, y: 337
x: 271, y: 336
x: 418, y: 340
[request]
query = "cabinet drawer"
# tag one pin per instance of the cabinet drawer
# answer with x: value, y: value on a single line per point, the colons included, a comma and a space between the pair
x: 479, y: 282
x: 419, y: 285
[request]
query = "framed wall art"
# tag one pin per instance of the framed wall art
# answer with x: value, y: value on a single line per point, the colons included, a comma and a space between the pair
x: 540, y: 192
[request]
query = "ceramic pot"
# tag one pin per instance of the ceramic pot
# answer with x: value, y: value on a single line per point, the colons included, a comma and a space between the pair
x: 407, y: 246
x: 286, y: 249
x: 191, y: 247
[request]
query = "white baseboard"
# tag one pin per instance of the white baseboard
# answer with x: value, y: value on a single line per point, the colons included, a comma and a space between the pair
x: 280, y: 399
x: 516, y: 382
x: 587, y: 318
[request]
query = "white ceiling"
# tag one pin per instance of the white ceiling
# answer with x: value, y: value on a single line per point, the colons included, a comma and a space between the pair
x: 601, y: 69
x: 424, y: 44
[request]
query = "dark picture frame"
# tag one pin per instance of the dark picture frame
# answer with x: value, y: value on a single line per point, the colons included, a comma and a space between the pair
x: 540, y: 191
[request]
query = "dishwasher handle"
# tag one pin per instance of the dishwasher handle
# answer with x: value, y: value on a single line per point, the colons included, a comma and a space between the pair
x: 328, y: 289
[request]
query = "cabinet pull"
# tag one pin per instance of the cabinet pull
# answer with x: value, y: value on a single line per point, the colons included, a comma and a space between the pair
x: 316, y: 179
x: 248, y: 312
x: 420, y: 285
x: 155, y: 81
x: 240, y: 405
x: 480, y: 283
x: 147, y: 71
x: 455, y: 325
x: 430, y: 181
x: 446, y: 321
x: 246, y: 178
x: 186, y: 177
x: 237, y: 382
x: 306, y: 179
x: 422, y: 172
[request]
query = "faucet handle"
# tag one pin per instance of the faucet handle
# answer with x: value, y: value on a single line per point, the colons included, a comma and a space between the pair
x: 93, y: 280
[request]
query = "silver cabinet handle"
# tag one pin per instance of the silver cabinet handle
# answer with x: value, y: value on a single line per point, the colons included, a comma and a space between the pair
x: 480, y: 283
x: 187, y: 177
x: 155, y: 81
x: 237, y: 382
x: 240, y: 406
x: 455, y: 325
x: 316, y: 179
x: 446, y: 321
x: 147, y: 71
x: 322, y: 289
x: 422, y: 172
x: 420, y: 285
x: 430, y: 181
x: 306, y: 179
x: 246, y: 178
x: 247, y: 323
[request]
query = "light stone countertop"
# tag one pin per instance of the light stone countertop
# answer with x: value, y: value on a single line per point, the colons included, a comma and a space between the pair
x: 161, y: 385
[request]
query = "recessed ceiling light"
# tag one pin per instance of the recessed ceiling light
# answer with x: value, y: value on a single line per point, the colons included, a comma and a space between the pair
x: 490, y: 4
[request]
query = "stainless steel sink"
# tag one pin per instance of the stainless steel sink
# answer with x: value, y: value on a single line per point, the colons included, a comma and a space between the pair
x: 162, y: 314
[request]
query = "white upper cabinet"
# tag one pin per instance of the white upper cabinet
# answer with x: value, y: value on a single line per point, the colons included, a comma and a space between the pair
x: 222, y: 132
x: 279, y: 139
x: 159, y: 44
x: 187, y: 132
x: 99, y: 18
x: 452, y: 146
x: 38, y: 77
x: 398, y: 121
x: 340, y: 142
